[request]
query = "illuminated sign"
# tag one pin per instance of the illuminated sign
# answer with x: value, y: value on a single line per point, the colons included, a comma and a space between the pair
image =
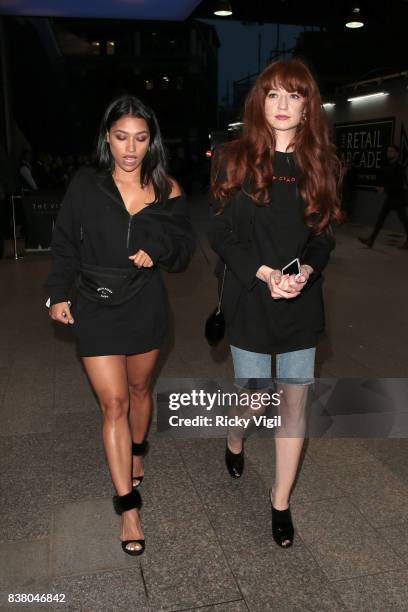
x: 364, y: 144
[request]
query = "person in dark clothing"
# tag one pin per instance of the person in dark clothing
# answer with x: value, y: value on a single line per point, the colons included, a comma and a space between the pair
x: 392, y: 184
x: 119, y: 224
x: 275, y: 199
x: 347, y: 184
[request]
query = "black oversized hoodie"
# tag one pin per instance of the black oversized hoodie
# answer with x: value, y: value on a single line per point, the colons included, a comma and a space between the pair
x: 94, y: 227
x: 245, y: 237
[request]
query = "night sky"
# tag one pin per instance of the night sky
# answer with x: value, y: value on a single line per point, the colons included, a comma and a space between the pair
x: 238, y: 53
x: 114, y: 9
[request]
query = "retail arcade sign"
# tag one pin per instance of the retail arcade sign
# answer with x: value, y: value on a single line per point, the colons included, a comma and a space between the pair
x: 364, y: 144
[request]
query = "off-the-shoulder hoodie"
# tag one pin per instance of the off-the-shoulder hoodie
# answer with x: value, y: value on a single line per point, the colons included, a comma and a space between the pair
x: 94, y: 228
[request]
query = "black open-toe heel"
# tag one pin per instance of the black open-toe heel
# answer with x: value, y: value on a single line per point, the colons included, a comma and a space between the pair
x: 282, y: 525
x: 122, y: 503
x: 234, y: 462
x: 139, y: 449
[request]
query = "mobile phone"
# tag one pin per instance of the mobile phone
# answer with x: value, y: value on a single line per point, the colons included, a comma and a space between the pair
x: 292, y: 267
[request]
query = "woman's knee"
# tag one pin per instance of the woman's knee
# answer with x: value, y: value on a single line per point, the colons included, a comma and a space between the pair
x: 140, y: 389
x: 115, y: 407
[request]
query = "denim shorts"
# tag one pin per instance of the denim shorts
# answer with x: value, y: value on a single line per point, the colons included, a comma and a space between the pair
x: 295, y: 367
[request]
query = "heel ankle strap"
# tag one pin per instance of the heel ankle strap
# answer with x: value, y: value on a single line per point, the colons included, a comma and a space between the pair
x: 131, y: 500
x: 139, y: 448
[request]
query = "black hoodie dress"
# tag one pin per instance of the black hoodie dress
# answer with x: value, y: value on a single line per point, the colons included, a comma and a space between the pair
x: 94, y: 230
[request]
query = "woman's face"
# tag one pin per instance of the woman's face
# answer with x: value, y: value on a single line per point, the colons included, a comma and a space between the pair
x: 128, y: 139
x: 283, y: 109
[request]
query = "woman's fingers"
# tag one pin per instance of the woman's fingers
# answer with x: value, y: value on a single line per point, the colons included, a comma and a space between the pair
x: 284, y: 283
x: 141, y: 259
x: 61, y: 313
x: 280, y: 288
x: 67, y: 316
x: 276, y: 277
x: 294, y: 283
x: 280, y: 293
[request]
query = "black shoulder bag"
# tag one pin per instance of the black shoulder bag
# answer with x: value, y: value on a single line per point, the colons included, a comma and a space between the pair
x: 215, y: 324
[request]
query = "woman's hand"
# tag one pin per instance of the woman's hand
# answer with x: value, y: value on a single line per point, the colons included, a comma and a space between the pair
x: 295, y: 283
x: 273, y: 278
x: 60, y: 312
x: 141, y: 259
x: 264, y: 273
x: 279, y: 286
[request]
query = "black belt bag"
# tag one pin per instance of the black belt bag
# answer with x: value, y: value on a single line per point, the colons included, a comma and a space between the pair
x: 111, y: 286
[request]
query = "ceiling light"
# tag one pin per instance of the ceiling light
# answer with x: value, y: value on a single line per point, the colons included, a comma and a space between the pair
x: 329, y: 104
x: 354, y: 20
x: 365, y: 97
x: 223, y: 8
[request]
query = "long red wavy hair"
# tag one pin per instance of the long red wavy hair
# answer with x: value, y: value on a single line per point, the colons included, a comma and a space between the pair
x: 252, y: 155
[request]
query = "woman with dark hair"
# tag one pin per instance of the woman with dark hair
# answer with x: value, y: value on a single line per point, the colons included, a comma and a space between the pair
x: 275, y: 198
x: 119, y: 223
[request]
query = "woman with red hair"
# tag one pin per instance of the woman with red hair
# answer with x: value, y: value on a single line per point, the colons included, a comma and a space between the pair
x: 275, y: 193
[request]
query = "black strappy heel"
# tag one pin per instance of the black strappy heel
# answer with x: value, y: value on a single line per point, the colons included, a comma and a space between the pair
x: 139, y: 449
x: 122, y: 503
x: 282, y: 525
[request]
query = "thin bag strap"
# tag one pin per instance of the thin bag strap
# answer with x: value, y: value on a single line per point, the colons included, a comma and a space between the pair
x: 222, y: 289
x: 225, y: 270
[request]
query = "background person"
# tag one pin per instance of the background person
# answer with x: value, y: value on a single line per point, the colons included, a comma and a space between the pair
x: 392, y: 184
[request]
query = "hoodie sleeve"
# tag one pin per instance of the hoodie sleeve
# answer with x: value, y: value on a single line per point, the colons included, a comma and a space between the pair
x: 225, y: 243
x: 318, y: 248
x: 317, y: 252
x: 170, y: 241
x: 64, y: 248
x: 223, y: 237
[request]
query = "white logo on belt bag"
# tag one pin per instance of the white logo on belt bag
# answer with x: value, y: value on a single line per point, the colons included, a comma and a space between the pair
x: 103, y: 291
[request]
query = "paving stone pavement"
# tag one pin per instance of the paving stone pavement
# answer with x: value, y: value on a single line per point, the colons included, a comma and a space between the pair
x: 209, y: 545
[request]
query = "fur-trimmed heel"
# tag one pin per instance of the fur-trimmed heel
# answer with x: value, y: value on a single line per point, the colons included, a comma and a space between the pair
x: 123, y: 503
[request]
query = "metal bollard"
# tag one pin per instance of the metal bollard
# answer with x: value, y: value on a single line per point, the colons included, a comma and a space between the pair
x: 13, y: 211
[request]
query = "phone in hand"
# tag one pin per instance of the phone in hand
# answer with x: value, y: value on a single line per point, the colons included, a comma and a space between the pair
x: 293, y: 267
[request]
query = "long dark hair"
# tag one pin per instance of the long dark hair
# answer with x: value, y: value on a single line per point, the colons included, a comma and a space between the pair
x: 254, y: 152
x: 154, y: 164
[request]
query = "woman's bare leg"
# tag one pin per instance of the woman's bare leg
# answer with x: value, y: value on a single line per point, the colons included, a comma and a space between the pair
x: 289, y: 441
x: 237, y: 433
x: 108, y: 377
x: 140, y: 369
